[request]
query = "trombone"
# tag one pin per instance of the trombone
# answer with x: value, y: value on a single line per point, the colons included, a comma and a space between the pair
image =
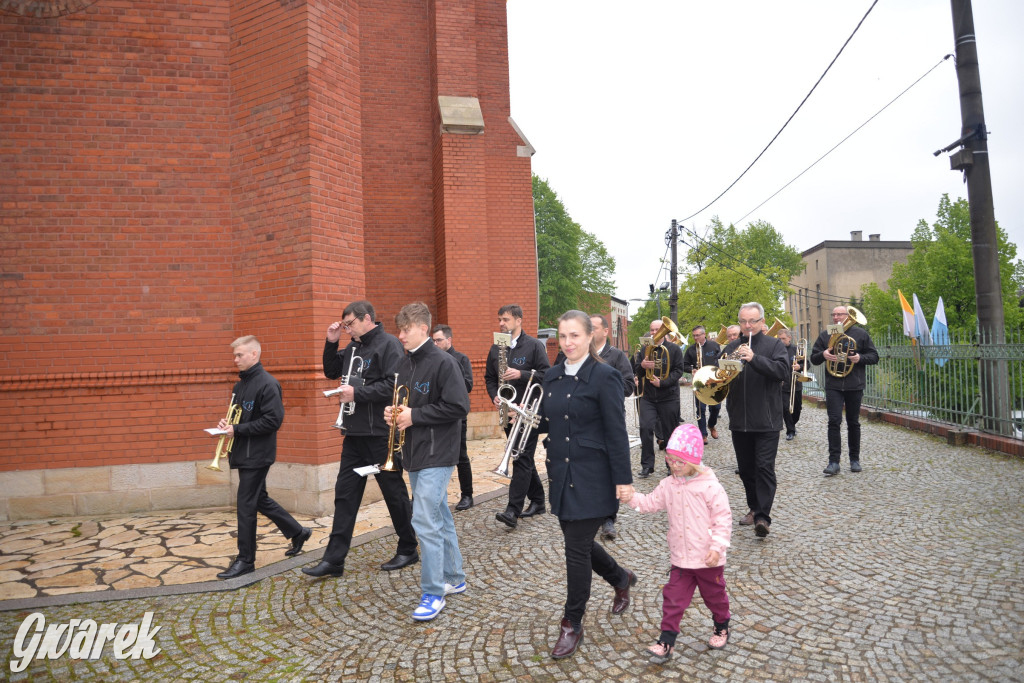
x: 224, y: 449
x: 527, y: 419
x: 798, y: 375
x: 398, y: 404
x: 357, y: 381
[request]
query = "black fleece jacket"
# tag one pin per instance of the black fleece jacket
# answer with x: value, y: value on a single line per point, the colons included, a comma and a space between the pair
x: 755, y: 396
x: 380, y: 353
x: 259, y: 395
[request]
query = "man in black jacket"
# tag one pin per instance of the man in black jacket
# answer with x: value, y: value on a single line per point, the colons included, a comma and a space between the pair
x: 438, y: 402
x: 524, y: 354
x: 253, y: 451
x: 755, y: 412
x: 659, y: 400
x: 442, y: 336
x: 844, y: 391
x: 371, y: 386
x: 703, y: 352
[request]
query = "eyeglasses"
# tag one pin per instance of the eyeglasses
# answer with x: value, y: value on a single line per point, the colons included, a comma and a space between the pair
x: 348, y: 325
x: 751, y: 322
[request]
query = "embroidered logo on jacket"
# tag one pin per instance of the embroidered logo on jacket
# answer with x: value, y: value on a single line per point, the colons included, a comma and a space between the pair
x: 422, y: 387
x: 518, y: 361
x: 247, y: 405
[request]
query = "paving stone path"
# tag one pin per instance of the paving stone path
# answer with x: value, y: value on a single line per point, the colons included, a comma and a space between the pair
x: 908, y: 571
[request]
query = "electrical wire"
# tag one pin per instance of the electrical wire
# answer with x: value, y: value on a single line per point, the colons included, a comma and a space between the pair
x: 855, y: 130
x: 804, y: 101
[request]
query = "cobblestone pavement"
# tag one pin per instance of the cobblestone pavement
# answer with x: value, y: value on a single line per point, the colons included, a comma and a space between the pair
x: 908, y: 571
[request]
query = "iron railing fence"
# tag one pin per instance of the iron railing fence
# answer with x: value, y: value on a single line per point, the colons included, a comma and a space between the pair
x: 941, y: 382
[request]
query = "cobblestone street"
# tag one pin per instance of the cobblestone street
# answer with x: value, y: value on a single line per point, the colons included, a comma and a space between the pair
x: 908, y: 571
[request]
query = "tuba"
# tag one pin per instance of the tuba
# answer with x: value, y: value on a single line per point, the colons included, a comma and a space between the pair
x: 711, y: 384
x: 723, y: 336
x: 356, y: 381
x: 526, y: 421
x: 776, y: 327
x: 842, y: 344
x: 399, y: 402
x: 658, y: 353
x: 502, y: 341
x: 224, y: 449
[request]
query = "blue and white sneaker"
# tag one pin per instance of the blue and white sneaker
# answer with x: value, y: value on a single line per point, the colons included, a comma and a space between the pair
x: 452, y: 590
x: 429, y: 607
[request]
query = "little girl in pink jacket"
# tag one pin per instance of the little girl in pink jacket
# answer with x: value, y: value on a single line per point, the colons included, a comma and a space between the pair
x: 699, y: 529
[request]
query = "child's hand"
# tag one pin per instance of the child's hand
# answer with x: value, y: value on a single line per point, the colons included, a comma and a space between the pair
x: 711, y: 559
x: 624, y: 492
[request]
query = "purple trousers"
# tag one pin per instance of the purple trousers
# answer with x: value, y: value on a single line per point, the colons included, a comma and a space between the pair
x: 678, y: 593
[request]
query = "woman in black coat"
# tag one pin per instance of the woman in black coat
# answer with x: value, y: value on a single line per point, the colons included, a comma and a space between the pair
x: 588, y: 467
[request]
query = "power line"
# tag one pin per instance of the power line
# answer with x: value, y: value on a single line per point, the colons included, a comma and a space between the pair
x: 855, y: 130
x: 804, y: 101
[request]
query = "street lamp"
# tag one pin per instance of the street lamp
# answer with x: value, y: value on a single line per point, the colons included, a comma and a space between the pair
x: 663, y: 288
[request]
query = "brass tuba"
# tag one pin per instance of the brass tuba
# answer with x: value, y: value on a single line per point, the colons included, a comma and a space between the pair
x: 842, y: 344
x: 723, y: 336
x: 658, y: 353
x: 224, y: 449
x: 776, y: 327
x: 711, y: 384
x: 398, y: 404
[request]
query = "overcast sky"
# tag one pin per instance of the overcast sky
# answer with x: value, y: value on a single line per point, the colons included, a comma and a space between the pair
x: 645, y: 111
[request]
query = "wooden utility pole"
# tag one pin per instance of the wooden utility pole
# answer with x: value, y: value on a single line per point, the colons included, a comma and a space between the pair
x: 673, y: 297
x: 972, y: 159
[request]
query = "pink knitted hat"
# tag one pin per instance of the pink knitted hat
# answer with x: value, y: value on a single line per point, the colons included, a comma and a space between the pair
x: 686, y: 443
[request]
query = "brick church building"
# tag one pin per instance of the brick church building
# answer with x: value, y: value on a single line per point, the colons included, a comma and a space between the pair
x: 177, y: 173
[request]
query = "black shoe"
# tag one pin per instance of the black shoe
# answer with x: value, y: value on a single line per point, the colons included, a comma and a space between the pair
x: 399, y: 561
x: 831, y: 469
x: 508, y: 518
x: 789, y: 437
x: 645, y: 472
x: 298, y: 540
x: 237, y: 568
x: 855, y: 465
x: 661, y: 444
x: 608, y: 530
x: 325, y: 568
x: 533, y: 509
x: 465, y: 503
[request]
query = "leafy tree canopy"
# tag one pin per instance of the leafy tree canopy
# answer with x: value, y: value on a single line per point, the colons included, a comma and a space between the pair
x: 574, y: 268
x: 942, y: 264
x: 760, y: 246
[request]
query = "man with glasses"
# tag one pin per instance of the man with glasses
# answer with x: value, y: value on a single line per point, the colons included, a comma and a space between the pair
x: 442, y: 336
x: 845, y: 392
x: 755, y: 412
x: 371, y: 386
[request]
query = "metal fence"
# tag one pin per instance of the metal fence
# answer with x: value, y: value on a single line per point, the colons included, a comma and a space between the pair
x: 941, y: 382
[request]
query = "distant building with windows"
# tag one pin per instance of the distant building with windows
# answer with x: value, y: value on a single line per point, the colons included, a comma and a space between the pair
x: 836, y: 270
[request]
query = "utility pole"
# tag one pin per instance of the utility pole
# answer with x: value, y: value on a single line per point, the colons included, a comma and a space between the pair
x: 673, y: 297
x: 972, y: 159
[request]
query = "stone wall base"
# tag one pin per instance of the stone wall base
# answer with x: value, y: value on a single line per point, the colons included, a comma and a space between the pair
x: 116, y: 489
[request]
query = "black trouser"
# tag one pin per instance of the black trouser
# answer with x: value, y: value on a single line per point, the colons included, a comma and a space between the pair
x: 463, y: 468
x: 792, y: 418
x: 252, y: 498
x: 834, y: 402
x: 662, y: 417
x: 755, y: 455
x: 359, y: 451
x: 525, y: 480
x: 583, y: 557
x: 706, y: 419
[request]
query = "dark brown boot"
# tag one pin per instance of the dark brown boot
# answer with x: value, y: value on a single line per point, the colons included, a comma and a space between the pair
x: 568, y: 640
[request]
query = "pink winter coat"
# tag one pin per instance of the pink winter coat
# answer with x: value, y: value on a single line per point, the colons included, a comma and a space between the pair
x: 699, y: 518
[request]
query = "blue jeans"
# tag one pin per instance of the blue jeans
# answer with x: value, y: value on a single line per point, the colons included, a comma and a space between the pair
x: 440, y: 558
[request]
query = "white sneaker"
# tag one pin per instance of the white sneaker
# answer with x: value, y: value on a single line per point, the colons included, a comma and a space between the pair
x: 430, y: 606
x: 452, y: 590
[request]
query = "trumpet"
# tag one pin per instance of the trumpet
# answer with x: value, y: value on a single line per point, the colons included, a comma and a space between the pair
x: 398, y: 404
x: 348, y: 379
x: 502, y: 341
x: 224, y: 449
x: 527, y: 419
x: 798, y: 375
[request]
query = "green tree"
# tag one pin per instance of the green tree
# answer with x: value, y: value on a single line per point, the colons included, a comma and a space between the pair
x: 760, y: 246
x: 942, y: 264
x: 712, y: 297
x: 573, y: 266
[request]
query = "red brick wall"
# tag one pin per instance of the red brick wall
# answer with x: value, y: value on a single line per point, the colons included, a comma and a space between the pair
x: 176, y: 174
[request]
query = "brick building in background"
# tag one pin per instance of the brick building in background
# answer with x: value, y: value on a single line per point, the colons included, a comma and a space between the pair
x: 178, y: 173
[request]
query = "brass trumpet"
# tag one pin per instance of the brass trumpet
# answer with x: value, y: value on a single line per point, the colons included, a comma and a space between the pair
x: 527, y: 419
x: 398, y: 404
x: 224, y: 449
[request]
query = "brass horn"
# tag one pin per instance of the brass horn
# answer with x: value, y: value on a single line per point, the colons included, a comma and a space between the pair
x: 658, y: 353
x: 224, y: 444
x: 527, y: 419
x: 723, y: 336
x: 842, y: 344
x: 398, y: 404
x: 776, y: 327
